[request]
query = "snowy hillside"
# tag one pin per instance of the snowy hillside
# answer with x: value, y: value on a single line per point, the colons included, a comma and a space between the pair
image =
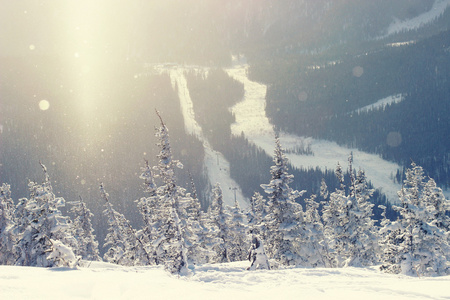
x: 437, y: 10
x: 252, y: 121
x: 226, y: 281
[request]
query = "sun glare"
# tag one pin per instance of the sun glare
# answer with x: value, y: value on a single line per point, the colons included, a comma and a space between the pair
x: 44, y: 105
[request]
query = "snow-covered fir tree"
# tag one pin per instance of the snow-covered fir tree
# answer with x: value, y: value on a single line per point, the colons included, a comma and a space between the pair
x: 363, y: 239
x: 256, y: 215
x: 170, y: 245
x: 83, y: 232
x: 196, y: 232
x: 349, y: 227
x: 284, y: 216
x: 438, y: 208
x: 367, y: 246
x: 313, y: 246
x: 148, y: 208
x: 42, y: 222
x: 22, y: 232
x: 413, y: 244
x: 335, y: 216
x: 239, y: 243
x: 120, y: 241
x: 220, y: 226
x: 7, y: 222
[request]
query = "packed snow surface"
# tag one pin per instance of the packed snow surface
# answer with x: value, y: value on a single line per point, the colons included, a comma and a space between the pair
x: 252, y: 121
x: 98, y: 280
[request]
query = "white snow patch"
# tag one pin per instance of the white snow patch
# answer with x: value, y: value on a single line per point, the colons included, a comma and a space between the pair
x: 217, y: 281
x: 252, y: 121
x: 436, y: 11
x: 382, y: 103
x: 399, y: 44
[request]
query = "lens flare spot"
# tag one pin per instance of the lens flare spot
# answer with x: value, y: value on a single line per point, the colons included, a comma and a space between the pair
x: 44, y: 105
x: 394, y: 139
x: 358, y: 71
x: 302, y: 96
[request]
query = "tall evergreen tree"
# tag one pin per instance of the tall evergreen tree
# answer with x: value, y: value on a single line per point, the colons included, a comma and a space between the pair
x: 44, y: 223
x: 284, y: 214
x: 349, y: 227
x: 239, y: 243
x: 335, y: 214
x: 83, y: 232
x: 220, y: 219
x: 196, y: 232
x: 363, y: 239
x: 149, y: 210
x: 313, y: 246
x: 256, y: 215
x: 7, y: 237
x: 170, y: 244
x: 120, y: 240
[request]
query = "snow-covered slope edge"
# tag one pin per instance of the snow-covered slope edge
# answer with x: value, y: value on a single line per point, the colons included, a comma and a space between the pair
x: 226, y: 281
x: 436, y: 11
x: 382, y: 103
x: 251, y: 119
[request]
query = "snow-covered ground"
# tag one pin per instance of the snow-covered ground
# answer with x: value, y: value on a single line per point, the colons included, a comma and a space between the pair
x: 216, y: 165
x: 251, y: 119
x: 219, y: 281
x: 436, y: 10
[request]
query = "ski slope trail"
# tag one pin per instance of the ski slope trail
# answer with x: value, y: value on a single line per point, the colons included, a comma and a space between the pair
x: 216, y: 166
x: 251, y: 119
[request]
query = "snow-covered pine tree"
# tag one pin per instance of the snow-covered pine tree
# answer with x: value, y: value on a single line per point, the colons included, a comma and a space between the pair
x: 119, y: 240
x: 366, y: 248
x: 349, y: 227
x: 391, y: 238
x: 23, y: 233
x: 83, y: 232
x: 362, y: 238
x: 239, y: 243
x: 438, y: 208
x: 255, y: 215
x: 415, y: 246
x: 196, y: 233
x: 149, y: 210
x: 313, y: 246
x: 45, y: 223
x: 284, y: 215
x: 170, y: 245
x: 335, y: 216
x: 7, y: 237
x: 220, y: 222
